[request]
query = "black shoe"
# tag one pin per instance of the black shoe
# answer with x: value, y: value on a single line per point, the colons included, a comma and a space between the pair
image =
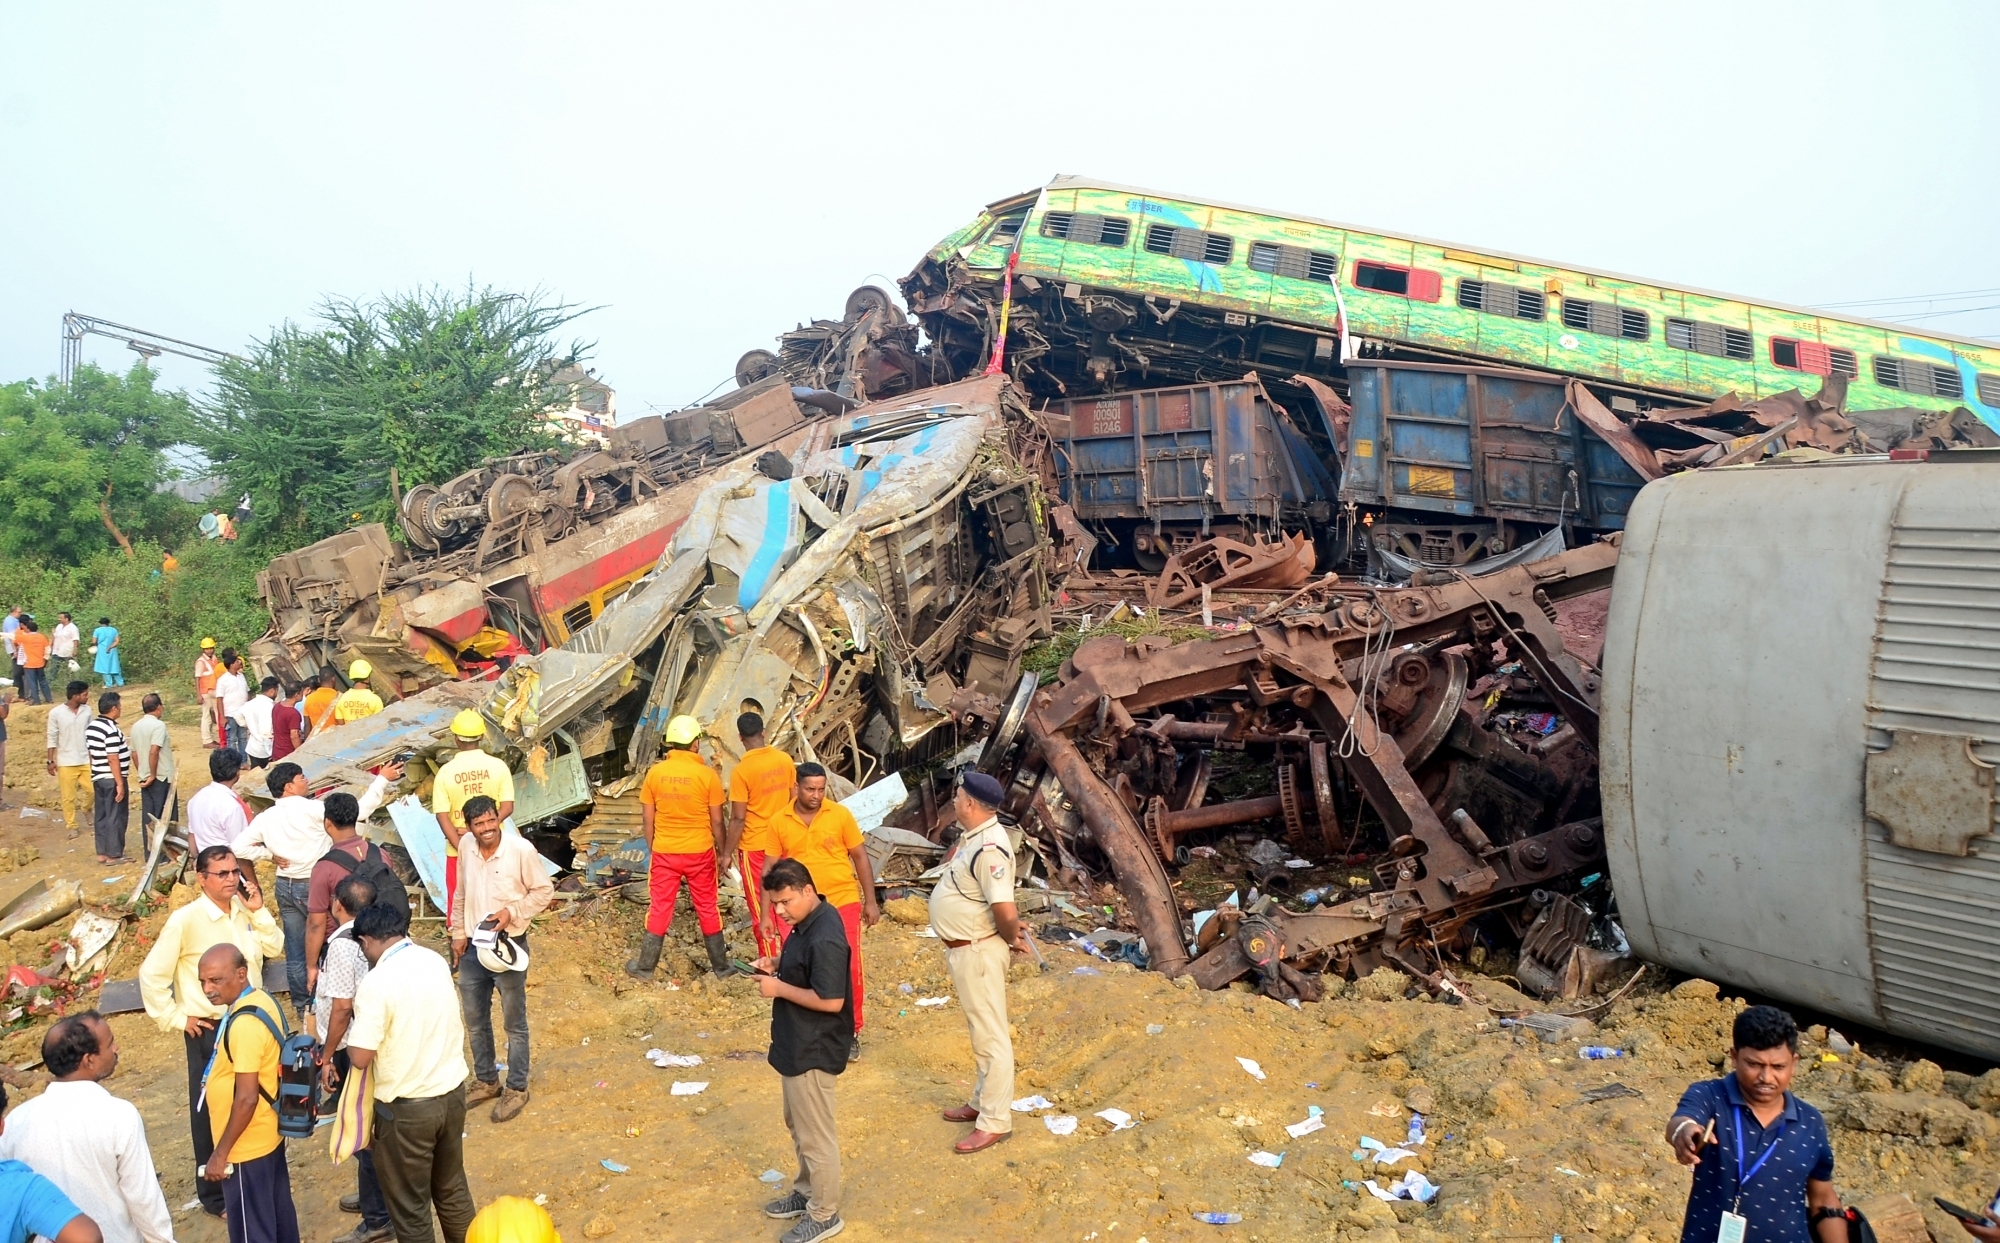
x: 854, y: 1049
x: 793, y: 1205
x: 808, y: 1230
x: 351, y: 1203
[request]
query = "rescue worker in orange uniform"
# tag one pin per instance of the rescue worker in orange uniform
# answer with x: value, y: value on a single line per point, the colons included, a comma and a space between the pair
x: 825, y: 837
x: 681, y: 805
x: 760, y: 789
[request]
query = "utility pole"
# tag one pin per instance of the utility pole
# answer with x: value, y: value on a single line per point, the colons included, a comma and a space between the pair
x: 145, y: 344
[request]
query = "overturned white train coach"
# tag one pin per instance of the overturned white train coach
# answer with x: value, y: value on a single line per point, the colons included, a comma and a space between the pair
x: 1800, y: 731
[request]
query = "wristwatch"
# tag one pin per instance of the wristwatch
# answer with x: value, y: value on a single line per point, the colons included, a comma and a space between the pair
x: 1821, y: 1214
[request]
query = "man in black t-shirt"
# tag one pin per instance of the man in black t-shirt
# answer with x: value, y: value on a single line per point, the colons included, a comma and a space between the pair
x: 812, y: 1021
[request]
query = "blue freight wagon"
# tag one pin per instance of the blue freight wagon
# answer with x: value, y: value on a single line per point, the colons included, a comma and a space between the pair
x: 1461, y: 462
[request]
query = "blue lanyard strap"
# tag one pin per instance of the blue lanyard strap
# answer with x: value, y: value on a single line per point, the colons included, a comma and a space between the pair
x: 1743, y: 1178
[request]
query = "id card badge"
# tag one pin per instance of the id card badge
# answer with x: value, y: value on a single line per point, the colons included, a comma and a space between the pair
x: 1733, y: 1226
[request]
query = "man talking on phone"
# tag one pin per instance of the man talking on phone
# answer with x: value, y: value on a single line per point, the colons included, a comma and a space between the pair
x: 231, y: 909
x: 1763, y: 1165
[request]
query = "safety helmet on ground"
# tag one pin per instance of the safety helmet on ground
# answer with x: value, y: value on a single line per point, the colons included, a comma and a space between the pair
x: 359, y: 670
x: 468, y: 724
x: 512, y: 1219
x: 682, y: 730
x: 207, y: 643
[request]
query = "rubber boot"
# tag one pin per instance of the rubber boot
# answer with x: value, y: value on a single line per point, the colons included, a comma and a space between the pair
x: 649, y: 957
x: 718, y: 958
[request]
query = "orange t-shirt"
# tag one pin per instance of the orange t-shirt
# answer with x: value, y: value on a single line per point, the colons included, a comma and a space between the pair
x: 822, y: 846
x: 680, y: 789
x: 762, y: 781
x: 318, y: 709
x: 33, y: 646
x: 206, y: 670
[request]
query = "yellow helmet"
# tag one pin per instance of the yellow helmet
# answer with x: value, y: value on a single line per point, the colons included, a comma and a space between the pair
x: 207, y: 643
x: 468, y: 724
x: 512, y: 1219
x: 683, y: 730
x: 359, y: 670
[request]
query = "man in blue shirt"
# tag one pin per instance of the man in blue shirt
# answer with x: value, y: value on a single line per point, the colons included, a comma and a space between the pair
x: 31, y: 1205
x: 1763, y: 1165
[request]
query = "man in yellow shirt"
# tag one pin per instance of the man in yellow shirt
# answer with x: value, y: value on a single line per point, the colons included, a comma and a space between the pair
x: 825, y: 837
x: 467, y: 775
x: 760, y: 788
x: 357, y: 701
x: 206, y: 671
x: 242, y: 1081
x: 318, y: 707
x: 230, y: 910
x: 681, y: 805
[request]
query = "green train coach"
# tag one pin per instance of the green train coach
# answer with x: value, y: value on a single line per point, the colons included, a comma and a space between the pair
x: 1119, y: 288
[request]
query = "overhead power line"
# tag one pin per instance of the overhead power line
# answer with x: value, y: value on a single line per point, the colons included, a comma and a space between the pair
x: 141, y: 342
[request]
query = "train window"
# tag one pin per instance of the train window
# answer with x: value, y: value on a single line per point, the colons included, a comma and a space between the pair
x: 1413, y: 283
x: 1086, y: 228
x: 1501, y: 299
x: 1165, y: 239
x: 1294, y: 261
x: 1989, y: 388
x: 1921, y: 378
x: 1813, y: 357
x: 1606, y: 319
x: 1005, y: 228
x: 1692, y: 334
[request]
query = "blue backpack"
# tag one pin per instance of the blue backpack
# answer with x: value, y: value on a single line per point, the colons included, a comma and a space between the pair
x: 296, y: 1072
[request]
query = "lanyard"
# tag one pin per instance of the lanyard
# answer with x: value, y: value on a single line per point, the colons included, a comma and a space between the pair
x: 1742, y: 1178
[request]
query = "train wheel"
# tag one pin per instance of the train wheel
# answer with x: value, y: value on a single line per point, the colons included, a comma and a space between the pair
x: 869, y: 298
x: 754, y: 366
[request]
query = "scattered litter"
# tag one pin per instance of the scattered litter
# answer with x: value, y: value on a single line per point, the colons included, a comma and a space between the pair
x: 1060, y: 1124
x: 1298, y: 863
x: 928, y: 931
x: 1411, y: 1186
x: 196, y: 1202
x: 633, y: 1132
x: 1154, y: 1029
x: 1219, y: 1219
x: 541, y: 1198
x: 1416, y: 1135
x: 1202, y: 852
x: 1564, y: 1169
x: 37, y: 813
x: 1118, y: 1118
x: 1598, y: 1052
x: 1312, y: 1085
x: 1610, y: 1092
x: 1269, y: 1160
x: 586, y: 1040
x: 1256, y: 1072
x: 1299, y: 1130
x: 663, y: 1059
x: 1552, y: 1028
x: 905, y: 989
x: 1029, y: 1104
x: 1834, y: 1040
x: 1083, y: 971
x: 1386, y: 1109
x: 614, y: 1166
x: 1829, y: 1057
x: 771, y: 1176
x: 689, y: 1089
x: 112, y: 880
x: 932, y: 1001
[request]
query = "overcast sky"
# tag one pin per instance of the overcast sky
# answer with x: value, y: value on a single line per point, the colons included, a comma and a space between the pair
x: 711, y: 175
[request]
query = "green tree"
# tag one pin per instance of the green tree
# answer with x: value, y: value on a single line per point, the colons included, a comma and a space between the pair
x: 313, y: 420
x: 81, y: 467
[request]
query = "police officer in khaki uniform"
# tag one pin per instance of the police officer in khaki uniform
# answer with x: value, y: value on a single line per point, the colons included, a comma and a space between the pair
x: 972, y: 910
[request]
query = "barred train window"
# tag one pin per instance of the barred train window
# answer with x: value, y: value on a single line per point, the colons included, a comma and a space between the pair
x: 1813, y: 357
x: 1165, y: 239
x: 1606, y: 319
x: 1294, y: 261
x: 1501, y: 299
x: 1086, y: 228
x: 1690, y: 334
x: 1920, y: 378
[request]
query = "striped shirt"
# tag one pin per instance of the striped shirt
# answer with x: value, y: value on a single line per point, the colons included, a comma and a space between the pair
x: 108, y: 752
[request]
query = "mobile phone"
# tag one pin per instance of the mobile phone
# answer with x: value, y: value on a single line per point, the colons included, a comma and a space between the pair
x: 1963, y: 1214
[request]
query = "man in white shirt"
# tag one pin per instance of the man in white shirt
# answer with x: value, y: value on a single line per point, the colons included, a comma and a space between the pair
x: 501, y: 879
x: 341, y: 969
x: 215, y: 816
x: 65, y: 638
x: 87, y: 1142
x: 255, y: 716
x: 152, y: 766
x: 231, y: 693
x: 292, y: 833
x: 69, y: 750
x: 407, y: 1026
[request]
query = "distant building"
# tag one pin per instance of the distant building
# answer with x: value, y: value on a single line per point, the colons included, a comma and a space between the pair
x: 593, y: 408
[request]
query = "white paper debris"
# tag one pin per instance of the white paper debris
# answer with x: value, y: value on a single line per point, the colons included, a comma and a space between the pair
x: 1118, y: 1118
x: 1256, y: 1071
x: 932, y: 1001
x: 771, y: 1176
x: 1298, y: 1129
x: 1269, y: 1160
x: 663, y: 1059
x: 1298, y: 863
x: 689, y: 1089
x: 1029, y: 1104
x: 1061, y: 1124
x: 1411, y: 1186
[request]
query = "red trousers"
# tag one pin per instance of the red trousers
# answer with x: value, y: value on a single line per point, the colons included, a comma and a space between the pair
x: 664, y: 885
x: 450, y: 882
x: 850, y: 918
x: 750, y: 863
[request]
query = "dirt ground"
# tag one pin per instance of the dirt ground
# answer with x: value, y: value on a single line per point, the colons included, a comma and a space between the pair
x: 1517, y: 1152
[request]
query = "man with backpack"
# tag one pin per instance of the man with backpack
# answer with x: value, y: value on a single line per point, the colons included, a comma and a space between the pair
x: 292, y: 833
x: 346, y: 853
x: 240, y: 1093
